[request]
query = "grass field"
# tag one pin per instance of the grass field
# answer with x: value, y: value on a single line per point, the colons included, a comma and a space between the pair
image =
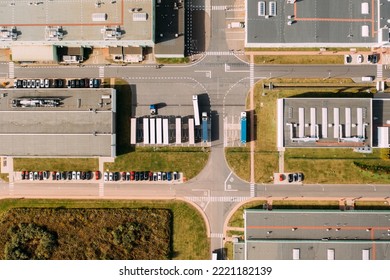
x: 4, y: 177
x: 190, y: 161
x: 189, y: 239
x: 60, y: 164
x: 367, y: 205
x: 299, y: 59
x: 173, y: 60
x: 237, y: 219
x: 305, y: 204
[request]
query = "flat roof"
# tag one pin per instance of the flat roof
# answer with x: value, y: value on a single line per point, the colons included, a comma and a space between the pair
x: 78, y: 23
x: 325, y: 122
x: 381, y: 116
x: 274, y: 234
x: 317, y: 22
x: 83, y: 125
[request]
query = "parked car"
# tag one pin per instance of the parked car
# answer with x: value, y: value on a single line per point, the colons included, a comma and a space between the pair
x: 132, y: 175
x: 127, y: 176
x: 37, y: 83
x: 47, y: 83
x: 53, y: 175
x: 32, y: 83
x: 290, y: 178
x: 46, y: 175
x: 83, y: 175
x: 169, y: 176
x: 175, y: 176
x: 300, y: 177
x: 78, y: 175
x: 31, y: 175
x: 24, y: 83
x: 348, y: 59
x: 155, y: 177
x: 136, y: 177
x: 96, y: 83
x: 74, y: 175
x: 164, y: 176
x: 295, y: 176
x: 82, y: 83
x: 77, y: 83
x: 105, y: 176
x: 360, y: 58
x: 19, y: 83
x: 88, y: 175
x: 60, y: 83
x: 97, y: 174
x: 146, y: 175
x: 110, y: 176
x: 23, y: 175
x: 141, y: 175
x: 36, y: 175
x: 69, y: 175
x: 123, y: 176
x: 150, y: 176
x: 91, y: 83
x: 116, y: 176
x: 159, y: 176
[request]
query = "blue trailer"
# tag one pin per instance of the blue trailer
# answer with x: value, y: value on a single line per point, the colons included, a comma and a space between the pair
x: 205, y: 136
x: 243, y: 127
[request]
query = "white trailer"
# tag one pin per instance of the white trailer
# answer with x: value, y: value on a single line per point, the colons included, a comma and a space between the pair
x: 133, y: 131
x: 196, y: 109
x: 165, y: 132
x: 191, y: 131
x: 178, y: 130
x: 159, y: 131
x: 146, y: 131
x: 152, y: 131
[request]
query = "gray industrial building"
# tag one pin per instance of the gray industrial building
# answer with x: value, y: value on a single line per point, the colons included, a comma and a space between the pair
x: 314, y: 235
x: 43, y: 24
x: 317, y: 23
x: 58, y: 122
x: 324, y: 122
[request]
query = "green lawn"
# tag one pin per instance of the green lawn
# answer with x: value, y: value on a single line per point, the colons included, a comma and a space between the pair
x: 60, y: 164
x: 299, y: 59
x: 305, y: 204
x: 190, y: 240
x: 190, y: 161
x: 237, y: 219
x: 173, y: 60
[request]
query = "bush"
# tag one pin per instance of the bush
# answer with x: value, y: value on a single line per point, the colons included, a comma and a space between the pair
x: 29, y: 242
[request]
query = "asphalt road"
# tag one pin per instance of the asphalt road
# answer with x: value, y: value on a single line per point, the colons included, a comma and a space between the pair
x: 225, y: 79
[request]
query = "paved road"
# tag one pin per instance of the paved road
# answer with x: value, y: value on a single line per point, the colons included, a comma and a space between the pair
x: 225, y: 79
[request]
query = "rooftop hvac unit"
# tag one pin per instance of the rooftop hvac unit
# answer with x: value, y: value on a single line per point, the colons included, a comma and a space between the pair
x: 140, y: 16
x: 99, y: 17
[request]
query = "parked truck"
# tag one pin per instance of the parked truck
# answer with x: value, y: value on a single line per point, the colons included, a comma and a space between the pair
x: 236, y: 24
x: 243, y: 127
x: 205, y: 136
x: 196, y: 109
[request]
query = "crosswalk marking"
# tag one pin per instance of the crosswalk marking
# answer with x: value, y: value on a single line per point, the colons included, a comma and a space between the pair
x: 379, y: 71
x: 252, y: 190
x: 101, y: 71
x: 216, y: 235
x: 11, y: 188
x: 224, y: 53
x: 101, y: 189
x: 218, y: 8
x: 217, y: 198
x: 11, y: 70
x: 251, y: 74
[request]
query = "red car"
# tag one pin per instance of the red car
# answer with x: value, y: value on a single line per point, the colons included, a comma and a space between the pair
x: 132, y: 175
x: 97, y: 175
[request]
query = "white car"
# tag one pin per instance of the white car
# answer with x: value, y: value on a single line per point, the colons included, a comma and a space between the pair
x: 360, y: 58
x: 42, y: 83
x: 32, y: 83
x: 78, y: 175
x: 74, y: 175
x: 31, y: 176
x: 90, y: 83
x: 47, y: 83
x: 37, y: 83
x: 110, y: 176
x: 159, y: 176
x: 105, y: 176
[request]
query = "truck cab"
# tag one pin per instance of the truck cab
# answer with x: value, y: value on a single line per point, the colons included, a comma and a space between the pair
x: 153, y: 109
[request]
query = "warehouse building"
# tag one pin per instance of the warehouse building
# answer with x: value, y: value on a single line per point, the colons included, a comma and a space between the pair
x: 314, y: 235
x: 58, y: 122
x: 87, y: 24
x: 317, y: 23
